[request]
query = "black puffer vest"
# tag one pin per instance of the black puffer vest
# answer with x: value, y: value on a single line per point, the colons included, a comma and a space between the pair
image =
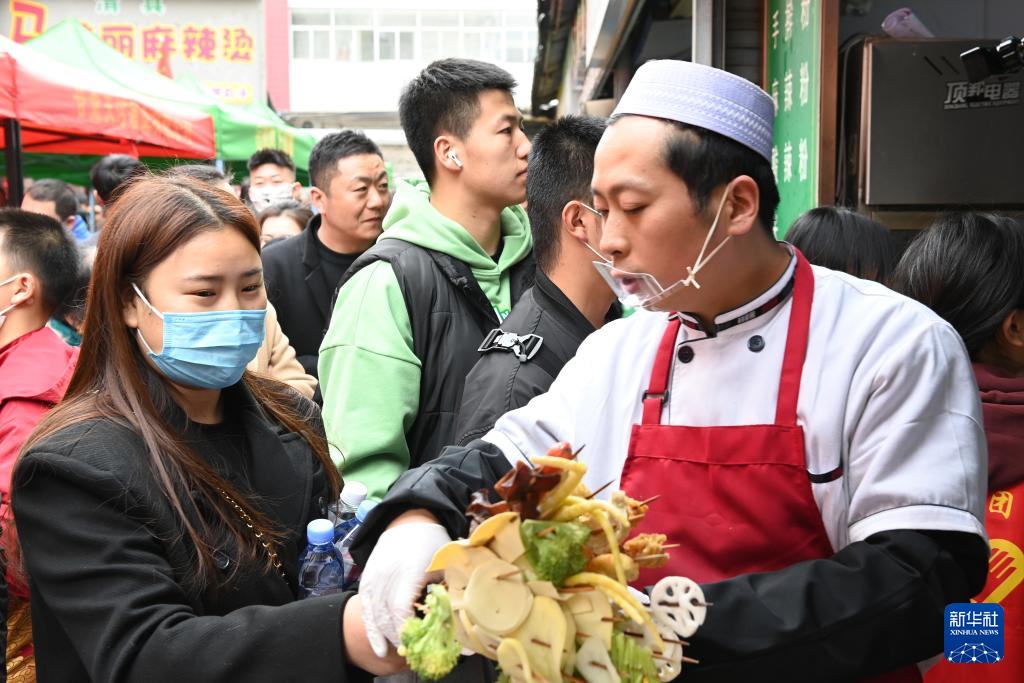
x: 450, y: 317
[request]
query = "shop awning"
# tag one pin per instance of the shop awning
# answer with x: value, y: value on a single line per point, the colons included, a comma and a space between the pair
x: 66, y: 110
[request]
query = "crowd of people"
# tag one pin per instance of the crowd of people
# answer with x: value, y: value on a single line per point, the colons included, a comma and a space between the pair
x: 828, y: 420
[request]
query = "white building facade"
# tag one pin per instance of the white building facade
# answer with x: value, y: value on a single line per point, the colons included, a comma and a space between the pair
x: 354, y: 56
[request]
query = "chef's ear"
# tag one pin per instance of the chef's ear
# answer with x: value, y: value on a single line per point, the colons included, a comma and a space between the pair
x: 740, y: 213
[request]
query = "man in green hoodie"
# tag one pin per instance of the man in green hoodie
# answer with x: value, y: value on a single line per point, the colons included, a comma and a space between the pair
x: 454, y: 256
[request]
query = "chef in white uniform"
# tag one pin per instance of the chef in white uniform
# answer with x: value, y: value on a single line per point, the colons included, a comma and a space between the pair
x: 815, y: 439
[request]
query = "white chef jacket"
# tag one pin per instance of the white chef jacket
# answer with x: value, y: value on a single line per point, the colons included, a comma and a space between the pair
x: 887, y: 393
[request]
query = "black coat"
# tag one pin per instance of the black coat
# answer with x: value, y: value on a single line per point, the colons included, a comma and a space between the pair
x: 500, y: 381
x: 106, y: 566
x: 450, y: 315
x: 875, y: 605
x: 297, y: 289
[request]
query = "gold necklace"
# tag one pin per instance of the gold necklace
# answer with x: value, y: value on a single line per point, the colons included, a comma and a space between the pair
x: 259, y: 534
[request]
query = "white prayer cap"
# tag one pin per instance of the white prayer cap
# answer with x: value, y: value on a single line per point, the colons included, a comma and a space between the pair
x: 702, y: 96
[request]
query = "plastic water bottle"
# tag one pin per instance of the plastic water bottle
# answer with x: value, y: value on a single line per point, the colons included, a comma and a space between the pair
x: 352, y: 571
x: 344, y: 510
x: 321, y: 571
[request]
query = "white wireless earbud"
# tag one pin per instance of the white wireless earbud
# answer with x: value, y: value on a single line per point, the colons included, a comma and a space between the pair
x: 455, y: 159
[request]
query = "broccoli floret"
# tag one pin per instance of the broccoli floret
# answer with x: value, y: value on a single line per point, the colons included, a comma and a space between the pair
x: 633, y: 661
x: 430, y: 645
x: 554, y: 555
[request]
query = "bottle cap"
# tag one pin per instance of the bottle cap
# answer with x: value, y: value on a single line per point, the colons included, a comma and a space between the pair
x: 320, y: 531
x: 353, y: 494
x: 364, y: 509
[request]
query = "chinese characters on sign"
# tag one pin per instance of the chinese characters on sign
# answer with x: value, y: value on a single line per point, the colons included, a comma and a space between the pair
x: 192, y: 43
x: 793, y: 74
x: 965, y: 95
x: 213, y: 40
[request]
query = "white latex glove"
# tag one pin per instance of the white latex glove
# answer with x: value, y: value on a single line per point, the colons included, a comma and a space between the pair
x: 394, y: 577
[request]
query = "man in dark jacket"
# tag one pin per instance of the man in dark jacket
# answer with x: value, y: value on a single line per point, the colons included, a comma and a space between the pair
x: 351, y: 194
x: 568, y: 301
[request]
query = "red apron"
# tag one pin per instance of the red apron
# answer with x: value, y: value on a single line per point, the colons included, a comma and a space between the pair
x: 747, y: 504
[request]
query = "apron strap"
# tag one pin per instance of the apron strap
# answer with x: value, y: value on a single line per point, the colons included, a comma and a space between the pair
x: 796, y: 342
x: 657, y: 392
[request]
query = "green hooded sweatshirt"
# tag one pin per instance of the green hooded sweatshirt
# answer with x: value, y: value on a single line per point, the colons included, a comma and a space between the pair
x: 369, y: 373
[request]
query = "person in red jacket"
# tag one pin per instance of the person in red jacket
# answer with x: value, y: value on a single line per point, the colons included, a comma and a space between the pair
x: 967, y: 268
x: 38, y: 270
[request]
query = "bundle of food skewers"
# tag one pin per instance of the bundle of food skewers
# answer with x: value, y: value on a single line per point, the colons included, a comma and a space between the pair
x: 541, y: 586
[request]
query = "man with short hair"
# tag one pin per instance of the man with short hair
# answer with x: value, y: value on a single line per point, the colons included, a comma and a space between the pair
x: 38, y: 270
x: 272, y: 178
x: 53, y: 198
x: 351, y: 194
x: 454, y: 257
x: 810, y: 443
x: 110, y: 173
x: 568, y: 301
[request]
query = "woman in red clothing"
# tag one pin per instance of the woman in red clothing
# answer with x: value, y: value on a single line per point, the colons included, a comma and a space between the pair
x: 39, y: 267
x: 969, y: 268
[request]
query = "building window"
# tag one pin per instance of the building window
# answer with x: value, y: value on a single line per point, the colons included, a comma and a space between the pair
x: 367, y: 35
x: 392, y: 45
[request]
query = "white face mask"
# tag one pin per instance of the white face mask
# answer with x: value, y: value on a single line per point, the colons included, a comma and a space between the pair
x: 265, y: 195
x: 4, y: 312
x: 642, y: 290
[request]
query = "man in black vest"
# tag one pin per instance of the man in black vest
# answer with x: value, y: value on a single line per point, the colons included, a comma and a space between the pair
x: 568, y: 301
x: 454, y: 257
x: 351, y: 193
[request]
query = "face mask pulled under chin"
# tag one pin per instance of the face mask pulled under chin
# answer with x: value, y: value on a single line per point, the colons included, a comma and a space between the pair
x: 264, y: 196
x: 642, y: 290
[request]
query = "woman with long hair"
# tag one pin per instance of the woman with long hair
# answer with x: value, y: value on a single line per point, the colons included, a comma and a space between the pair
x: 969, y: 268
x: 161, y: 507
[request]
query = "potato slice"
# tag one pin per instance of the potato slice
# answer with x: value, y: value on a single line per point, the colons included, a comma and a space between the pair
x: 464, y: 632
x: 594, y: 663
x: 592, y: 613
x: 489, y: 641
x: 507, y: 542
x: 546, y: 589
x: 462, y: 562
x: 569, y: 646
x: 483, y: 534
x: 461, y: 553
x: 499, y: 605
x: 543, y: 637
x: 513, y: 661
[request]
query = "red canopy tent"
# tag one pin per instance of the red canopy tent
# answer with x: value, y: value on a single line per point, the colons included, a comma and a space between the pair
x: 49, y: 107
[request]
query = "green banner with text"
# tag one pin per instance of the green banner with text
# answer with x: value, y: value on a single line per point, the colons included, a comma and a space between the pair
x: 793, y: 77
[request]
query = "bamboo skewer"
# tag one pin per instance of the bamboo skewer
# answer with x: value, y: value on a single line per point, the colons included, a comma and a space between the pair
x: 650, y: 500
x: 600, y: 489
x: 656, y: 556
x: 509, y: 575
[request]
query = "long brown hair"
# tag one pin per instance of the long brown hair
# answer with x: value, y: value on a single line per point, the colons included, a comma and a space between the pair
x: 151, y: 219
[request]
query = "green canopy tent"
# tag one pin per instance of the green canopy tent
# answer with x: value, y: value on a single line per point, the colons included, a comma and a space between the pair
x: 239, y: 131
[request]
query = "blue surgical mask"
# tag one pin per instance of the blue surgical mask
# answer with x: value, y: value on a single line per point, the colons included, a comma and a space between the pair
x: 209, y: 349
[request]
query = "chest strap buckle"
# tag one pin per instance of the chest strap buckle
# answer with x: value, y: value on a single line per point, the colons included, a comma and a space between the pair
x: 524, y: 346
